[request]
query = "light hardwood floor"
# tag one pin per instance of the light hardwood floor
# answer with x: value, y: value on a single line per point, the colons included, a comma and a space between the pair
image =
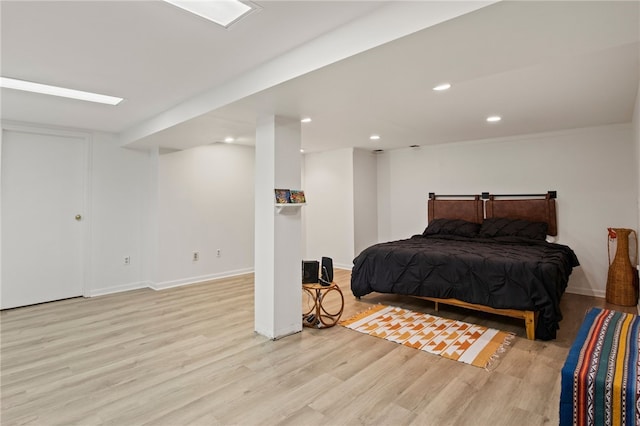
x: 189, y: 355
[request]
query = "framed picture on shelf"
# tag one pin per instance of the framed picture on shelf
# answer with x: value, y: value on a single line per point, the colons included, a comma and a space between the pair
x: 283, y: 196
x: 297, y: 196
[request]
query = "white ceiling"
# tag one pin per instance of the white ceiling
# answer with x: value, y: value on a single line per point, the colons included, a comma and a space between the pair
x: 543, y: 66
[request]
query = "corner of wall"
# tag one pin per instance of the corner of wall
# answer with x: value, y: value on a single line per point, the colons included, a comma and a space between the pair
x: 636, y: 141
x: 365, y: 199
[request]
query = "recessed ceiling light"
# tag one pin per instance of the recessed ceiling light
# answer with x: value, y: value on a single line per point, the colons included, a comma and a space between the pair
x: 374, y: 137
x: 494, y: 118
x: 306, y: 120
x: 45, y: 89
x: 229, y: 139
x: 441, y: 87
x: 222, y: 12
x: 301, y: 150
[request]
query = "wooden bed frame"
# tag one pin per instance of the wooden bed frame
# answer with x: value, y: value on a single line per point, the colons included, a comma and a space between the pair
x: 542, y: 208
x: 530, y: 317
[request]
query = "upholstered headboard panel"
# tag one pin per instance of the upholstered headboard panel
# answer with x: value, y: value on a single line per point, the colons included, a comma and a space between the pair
x: 534, y: 210
x: 469, y: 210
x: 542, y: 208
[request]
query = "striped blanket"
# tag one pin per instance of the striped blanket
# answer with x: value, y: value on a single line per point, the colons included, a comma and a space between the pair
x: 601, y: 376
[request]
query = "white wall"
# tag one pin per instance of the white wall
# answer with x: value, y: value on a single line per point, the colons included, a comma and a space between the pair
x: 593, y: 170
x: 157, y: 210
x: 328, y: 185
x: 116, y: 195
x: 205, y: 203
x: 202, y: 199
x: 119, y: 190
x: 635, y: 124
x: 365, y: 211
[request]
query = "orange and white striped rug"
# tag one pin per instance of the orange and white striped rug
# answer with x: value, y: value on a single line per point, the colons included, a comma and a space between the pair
x: 456, y: 340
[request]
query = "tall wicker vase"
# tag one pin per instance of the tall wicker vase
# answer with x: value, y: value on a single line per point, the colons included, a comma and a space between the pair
x: 622, y: 280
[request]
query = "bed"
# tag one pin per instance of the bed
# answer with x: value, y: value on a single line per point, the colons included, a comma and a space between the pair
x: 485, y: 252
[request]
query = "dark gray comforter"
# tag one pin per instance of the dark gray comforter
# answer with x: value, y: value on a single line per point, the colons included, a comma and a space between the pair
x: 500, y: 272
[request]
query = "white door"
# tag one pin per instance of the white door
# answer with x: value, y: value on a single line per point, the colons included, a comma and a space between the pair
x: 42, y: 224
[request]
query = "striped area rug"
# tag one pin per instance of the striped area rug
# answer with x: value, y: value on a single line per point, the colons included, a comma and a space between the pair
x: 601, y: 375
x: 456, y: 340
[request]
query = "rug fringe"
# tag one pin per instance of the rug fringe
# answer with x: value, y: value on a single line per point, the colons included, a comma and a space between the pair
x: 494, y: 360
x: 361, y: 315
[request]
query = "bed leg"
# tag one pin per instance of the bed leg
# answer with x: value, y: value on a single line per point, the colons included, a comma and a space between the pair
x: 530, y: 318
x: 436, y: 306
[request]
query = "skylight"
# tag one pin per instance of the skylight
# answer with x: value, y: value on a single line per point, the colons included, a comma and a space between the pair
x: 222, y: 12
x: 45, y: 89
x: 442, y: 87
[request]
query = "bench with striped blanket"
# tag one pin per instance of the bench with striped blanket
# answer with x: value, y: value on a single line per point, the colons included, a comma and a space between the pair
x: 600, y: 378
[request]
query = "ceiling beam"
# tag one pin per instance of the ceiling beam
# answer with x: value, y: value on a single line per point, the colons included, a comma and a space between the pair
x: 385, y: 24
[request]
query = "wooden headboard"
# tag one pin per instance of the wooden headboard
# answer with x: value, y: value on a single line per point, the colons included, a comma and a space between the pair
x: 470, y: 210
x: 534, y: 208
x: 531, y: 209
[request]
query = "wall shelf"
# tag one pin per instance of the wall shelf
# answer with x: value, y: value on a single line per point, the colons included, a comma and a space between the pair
x: 288, y: 206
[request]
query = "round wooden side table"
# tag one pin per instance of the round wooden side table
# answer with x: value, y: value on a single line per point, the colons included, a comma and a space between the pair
x: 319, y: 315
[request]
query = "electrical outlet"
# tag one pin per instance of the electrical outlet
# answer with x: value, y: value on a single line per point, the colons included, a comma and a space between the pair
x: 127, y: 260
x: 196, y: 256
x: 218, y: 253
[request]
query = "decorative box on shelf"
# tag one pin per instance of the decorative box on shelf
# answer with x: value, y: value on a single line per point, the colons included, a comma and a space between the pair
x: 289, y: 198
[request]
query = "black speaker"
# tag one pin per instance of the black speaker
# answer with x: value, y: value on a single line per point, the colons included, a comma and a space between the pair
x: 310, y: 271
x: 327, y: 269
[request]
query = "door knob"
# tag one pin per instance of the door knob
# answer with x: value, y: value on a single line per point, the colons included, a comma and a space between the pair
x: 78, y: 217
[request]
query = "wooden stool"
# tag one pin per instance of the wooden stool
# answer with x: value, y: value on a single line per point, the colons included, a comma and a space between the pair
x: 318, y: 316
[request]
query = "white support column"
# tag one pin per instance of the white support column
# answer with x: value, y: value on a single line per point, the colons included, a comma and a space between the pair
x: 149, y: 223
x: 278, y: 235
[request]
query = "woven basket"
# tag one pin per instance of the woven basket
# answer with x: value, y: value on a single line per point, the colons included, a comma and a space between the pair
x: 622, y: 280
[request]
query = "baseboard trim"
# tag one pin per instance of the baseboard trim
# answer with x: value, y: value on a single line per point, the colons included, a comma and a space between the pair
x: 286, y: 333
x: 117, y: 289
x: 177, y: 283
x: 166, y: 284
x: 197, y: 280
x: 587, y: 292
x: 345, y: 267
